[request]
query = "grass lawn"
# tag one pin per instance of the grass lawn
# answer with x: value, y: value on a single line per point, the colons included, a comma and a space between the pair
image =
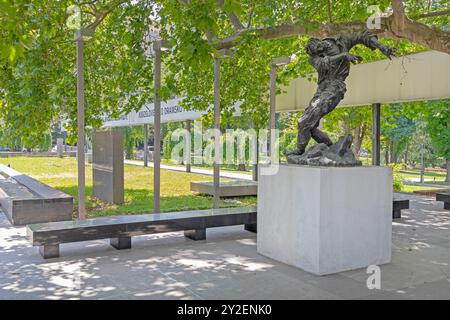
x: 432, y: 177
x: 175, y: 186
x: 411, y: 189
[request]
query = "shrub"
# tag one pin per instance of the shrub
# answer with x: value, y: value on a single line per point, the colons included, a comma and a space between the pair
x: 397, y: 181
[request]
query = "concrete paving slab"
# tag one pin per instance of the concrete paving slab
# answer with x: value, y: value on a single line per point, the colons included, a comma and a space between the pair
x: 225, y: 266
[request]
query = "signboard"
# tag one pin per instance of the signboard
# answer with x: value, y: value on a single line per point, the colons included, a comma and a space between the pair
x: 170, y: 111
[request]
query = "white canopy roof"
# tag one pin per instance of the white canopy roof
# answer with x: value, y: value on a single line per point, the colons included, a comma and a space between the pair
x: 421, y: 76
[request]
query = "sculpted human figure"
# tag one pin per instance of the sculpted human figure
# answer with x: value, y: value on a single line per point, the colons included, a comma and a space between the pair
x: 331, y: 58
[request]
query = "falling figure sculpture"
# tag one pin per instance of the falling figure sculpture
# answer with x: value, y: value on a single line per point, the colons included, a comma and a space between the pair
x: 331, y: 58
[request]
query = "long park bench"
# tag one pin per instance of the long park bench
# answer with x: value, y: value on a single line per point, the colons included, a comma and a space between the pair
x: 120, y: 229
x: 444, y: 197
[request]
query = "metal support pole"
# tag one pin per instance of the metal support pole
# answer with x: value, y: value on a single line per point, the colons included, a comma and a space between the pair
x: 216, y: 164
x: 188, y: 149
x: 157, y: 133
x: 80, y: 122
x: 376, y: 112
x: 273, y: 93
x: 255, y: 165
x: 145, y: 145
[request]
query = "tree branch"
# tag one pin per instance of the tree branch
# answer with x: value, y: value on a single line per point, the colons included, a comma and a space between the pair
x: 314, y: 29
x: 87, y: 2
x: 99, y: 17
x: 250, y: 17
x: 396, y: 26
x: 430, y: 37
x: 233, y: 17
x: 236, y: 22
x: 433, y: 14
x: 88, y: 12
x: 330, y: 16
x: 401, y: 27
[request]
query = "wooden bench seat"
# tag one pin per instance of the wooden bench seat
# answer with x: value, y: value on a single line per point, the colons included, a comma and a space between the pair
x: 120, y: 229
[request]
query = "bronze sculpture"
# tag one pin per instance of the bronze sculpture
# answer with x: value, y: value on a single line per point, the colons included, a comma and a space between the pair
x: 331, y: 58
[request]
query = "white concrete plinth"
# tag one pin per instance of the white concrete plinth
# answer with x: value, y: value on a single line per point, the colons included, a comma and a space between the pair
x: 326, y: 220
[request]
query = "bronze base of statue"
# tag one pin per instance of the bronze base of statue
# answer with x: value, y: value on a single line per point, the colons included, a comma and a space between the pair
x: 338, y: 154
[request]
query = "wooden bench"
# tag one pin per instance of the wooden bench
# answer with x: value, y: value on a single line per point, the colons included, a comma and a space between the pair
x: 120, y: 229
x: 444, y: 197
x: 397, y: 206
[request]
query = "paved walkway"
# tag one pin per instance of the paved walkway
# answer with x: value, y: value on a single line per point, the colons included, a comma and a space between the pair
x: 225, y: 266
x: 413, y: 183
x: 208, y: 172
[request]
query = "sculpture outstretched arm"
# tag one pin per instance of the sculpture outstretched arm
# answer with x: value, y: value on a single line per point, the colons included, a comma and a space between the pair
x: 368, y: 39
x: 389, y: 52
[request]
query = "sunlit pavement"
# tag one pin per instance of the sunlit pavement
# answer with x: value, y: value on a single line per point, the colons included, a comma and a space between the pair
x: 226, y: 266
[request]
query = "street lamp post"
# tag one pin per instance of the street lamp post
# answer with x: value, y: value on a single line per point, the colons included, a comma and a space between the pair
x: 273, y: 93
x: 158, y: 46
x: 188, y: 149
x: 80, y: 36
x: 145, y: 145
x: 216, y: 164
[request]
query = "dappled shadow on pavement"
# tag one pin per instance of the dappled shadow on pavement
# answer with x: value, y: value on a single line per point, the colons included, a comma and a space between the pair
x: 225, y: 266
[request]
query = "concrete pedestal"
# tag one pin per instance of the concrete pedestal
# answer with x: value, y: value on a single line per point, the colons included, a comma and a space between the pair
x: 326, y: 219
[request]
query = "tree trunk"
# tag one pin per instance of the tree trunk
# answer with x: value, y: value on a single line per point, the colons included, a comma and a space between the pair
x: 357, y: 141
x: 422, y: 166
x: 406, y: 154
x: 360, y: 133
x: 447, y: 178
x: 391, y: 151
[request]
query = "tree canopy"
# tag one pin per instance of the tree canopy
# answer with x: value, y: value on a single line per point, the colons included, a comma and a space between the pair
x: 37, y: 51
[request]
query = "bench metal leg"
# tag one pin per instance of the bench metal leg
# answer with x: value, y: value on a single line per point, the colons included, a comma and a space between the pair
x: 396, y: 214
x: 250, y: 227
x: 198, y: 234
x: 447, y: 205
x: 49, y: 251
x: 121, y: 243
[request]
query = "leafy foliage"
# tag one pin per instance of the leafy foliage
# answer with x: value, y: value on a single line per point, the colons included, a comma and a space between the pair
x: 37, y: 54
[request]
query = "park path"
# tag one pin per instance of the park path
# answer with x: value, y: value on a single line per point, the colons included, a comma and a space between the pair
x: 225, y: 266
x: 414, y: 183
x: 208, y: 172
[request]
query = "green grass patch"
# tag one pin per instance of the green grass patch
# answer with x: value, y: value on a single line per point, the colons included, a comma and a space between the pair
x: 429, y: 176
x: 175, y: 187
x: 411, y: 189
